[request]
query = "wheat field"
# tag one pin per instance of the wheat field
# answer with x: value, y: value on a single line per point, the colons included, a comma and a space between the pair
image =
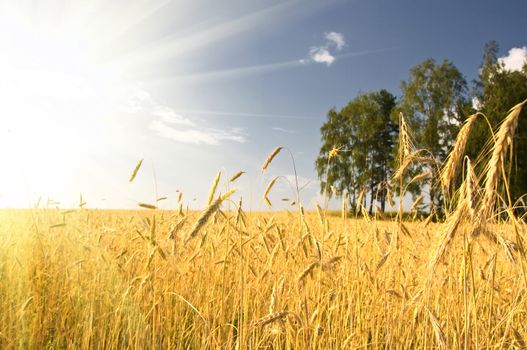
x: 230, y: 279
x: 114, y: 279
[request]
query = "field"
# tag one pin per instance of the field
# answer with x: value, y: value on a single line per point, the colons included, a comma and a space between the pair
x: 130, y: 279
x: 226, y: 279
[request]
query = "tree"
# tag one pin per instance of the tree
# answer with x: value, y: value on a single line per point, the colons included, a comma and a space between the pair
x: 365, y: 134
x: 386, y: 137
x: 340, y: 173
x: 496, y: 90
x: 434, y: 100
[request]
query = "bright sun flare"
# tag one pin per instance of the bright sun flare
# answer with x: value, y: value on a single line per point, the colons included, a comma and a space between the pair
x: 54, y: 94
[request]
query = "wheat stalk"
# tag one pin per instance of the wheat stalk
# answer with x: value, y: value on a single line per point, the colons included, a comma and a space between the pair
x: 236, y: 176
x: 504, y: 138
x: 147, y: 206
x: 421, y: 176
x: 408, y: 160
x: 358, y: 205
x: 382, y: 261
x: 268, y: 189
x: 471, y: 186
x: 136, y: 169
x: 270, y: 158
x: 207, y: 213
x: 454, y: 157
x: 213, y: 188
x: 406, y: 144
x: 416, y: 203
x: 269, y: 318
x: 446, y: 234
x: 390, y: 198
x: 463, y: 210
x: 438, y: 331
x: 307, y: 270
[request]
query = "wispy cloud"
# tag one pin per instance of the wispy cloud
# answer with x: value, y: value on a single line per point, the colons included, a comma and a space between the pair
x: 515, y: 60
x: 326, y: 53
x: 336, y: 38
x: 168, y: 115
x: 241, y: 114
x: 213, y: 31
x: 321, y: 55
x: 228, y: 73
x: 287, y: 131
x: 169, y: 124
x: 210, y: 137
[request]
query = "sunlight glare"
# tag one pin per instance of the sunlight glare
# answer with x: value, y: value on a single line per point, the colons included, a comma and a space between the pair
x: 55, y: 97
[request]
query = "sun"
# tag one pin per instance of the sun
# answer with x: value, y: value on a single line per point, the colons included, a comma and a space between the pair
x: 54, y: 96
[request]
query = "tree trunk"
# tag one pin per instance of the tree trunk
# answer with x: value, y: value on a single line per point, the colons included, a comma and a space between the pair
x: 372, y: 190
x: 432, y: 198
x: 383, y: 200
x: 353, y: 200
x: 372, y: 196
x: 383, y: 189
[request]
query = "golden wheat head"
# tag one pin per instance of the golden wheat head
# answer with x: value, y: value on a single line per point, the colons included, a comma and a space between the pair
x: 270, y: 158
x: 504, y: 139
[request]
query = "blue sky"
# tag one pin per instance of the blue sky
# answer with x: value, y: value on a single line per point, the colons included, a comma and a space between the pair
x: 197, y: 87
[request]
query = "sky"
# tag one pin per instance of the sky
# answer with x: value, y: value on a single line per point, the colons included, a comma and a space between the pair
x: 193, y: 87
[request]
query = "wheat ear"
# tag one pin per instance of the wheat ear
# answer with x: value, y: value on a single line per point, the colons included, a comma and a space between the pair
x: 213, y: 188
x: 270, y: 158
x: 454, y: 157
x: 207, y: 213
x: 504, y: 139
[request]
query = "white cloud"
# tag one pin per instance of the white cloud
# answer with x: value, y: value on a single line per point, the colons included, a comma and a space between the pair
x: 287, y: 131
x: 324, y: 54
x: 321, y: 55
x: 336, y: 38
x: 168, y: 115
x: 169, y: 124
x: 210, y: 137
x: 136, y: 100
x: 515, y: 60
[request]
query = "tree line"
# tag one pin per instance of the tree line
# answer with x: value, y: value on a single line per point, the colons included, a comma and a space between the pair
x: 435, y: 101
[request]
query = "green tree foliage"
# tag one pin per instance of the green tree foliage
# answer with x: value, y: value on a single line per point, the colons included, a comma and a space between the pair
x: 434, y: 100
x: 496, y: 91
x: 340, y: 173
x: 365, y: 134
